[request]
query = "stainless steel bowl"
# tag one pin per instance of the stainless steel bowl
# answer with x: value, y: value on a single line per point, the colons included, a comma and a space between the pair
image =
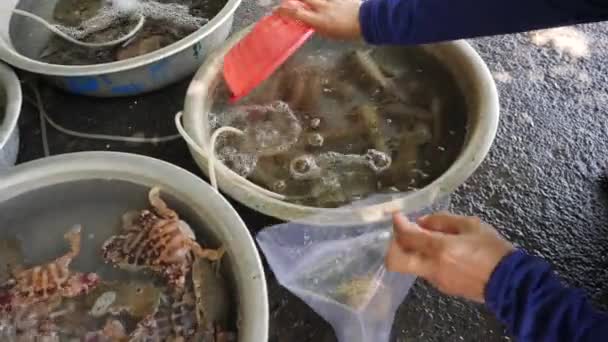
x: 10, y: 90
x: 460, y: 59
x: 94, y: 189
x: 123, y: 78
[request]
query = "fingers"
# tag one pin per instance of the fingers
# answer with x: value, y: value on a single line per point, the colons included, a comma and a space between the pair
x: 449, y: 224
x: 410, y: 237
x: 310, y: 12
x: 296, y: 11
x: 311, y: 4
x: 398, y: 260
x: 289, y: 6
x: 338, y: 19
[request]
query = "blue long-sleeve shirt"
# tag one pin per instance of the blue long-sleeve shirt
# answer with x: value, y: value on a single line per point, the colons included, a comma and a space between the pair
x: 531, y: 301
x: 428, y: 21
x: 523, y: 292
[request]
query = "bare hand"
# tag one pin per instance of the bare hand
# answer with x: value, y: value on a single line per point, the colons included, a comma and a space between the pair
x: 456, y: 254
x: 337, y: 19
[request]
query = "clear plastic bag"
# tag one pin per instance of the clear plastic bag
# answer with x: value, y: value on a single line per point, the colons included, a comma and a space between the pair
x: 338, y: 270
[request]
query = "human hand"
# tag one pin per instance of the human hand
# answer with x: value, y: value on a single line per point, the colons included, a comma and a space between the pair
x: 337, y: 19
x: 456, y: 254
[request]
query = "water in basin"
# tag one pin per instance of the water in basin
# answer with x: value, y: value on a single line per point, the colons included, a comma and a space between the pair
x: 340, y: 122
x: 124, y: 301
x: 98, y: 21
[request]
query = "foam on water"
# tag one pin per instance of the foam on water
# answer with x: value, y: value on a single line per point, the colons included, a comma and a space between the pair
x: 174, y: 13
x: 305, y: 168
x: 127, y: 6
x: 230, y: 151
x: 117, y: 11
x: 270, y: 129
x: 271, y: 141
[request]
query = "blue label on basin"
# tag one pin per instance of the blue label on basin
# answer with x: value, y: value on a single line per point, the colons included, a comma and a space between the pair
x: 105, y: 79
x: 158, y: 70
x: 126, y: 89
x: 197, y: 50
x: 85, y: 84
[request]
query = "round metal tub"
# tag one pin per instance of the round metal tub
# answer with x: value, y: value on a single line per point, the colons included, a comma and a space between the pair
x: 10, y: 91
x: 95, y: 188
x: 481, y: 98
x: 123, y: 78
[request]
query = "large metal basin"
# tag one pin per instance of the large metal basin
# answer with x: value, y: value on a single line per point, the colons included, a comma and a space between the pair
x: 94, y: 189
x: 10, y: 91
x: 129, y: 77
x: 481, y: 97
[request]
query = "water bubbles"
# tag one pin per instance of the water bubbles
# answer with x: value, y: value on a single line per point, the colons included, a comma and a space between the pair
x: 315, y: 140
x: 272, y: 129
x: 174, y: 13
x: 378, y: 161
x: 304, y: 168
x: 302, y: 165
x: 241, y: 163
x: 143, y: 26
x: 235, y: 117
x: 105, y: 18
x: 328, y: 190
x: 279, y: 186
x: 265, y: 135
x: 229, y: 151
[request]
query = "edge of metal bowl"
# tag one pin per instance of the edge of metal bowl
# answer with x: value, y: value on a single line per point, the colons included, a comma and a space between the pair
x: 9, y: 55
x: 179, y: 182
x: 12, y: 88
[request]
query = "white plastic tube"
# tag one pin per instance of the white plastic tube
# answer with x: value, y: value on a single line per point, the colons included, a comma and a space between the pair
x: 213, y: 163
x: 44, y: 118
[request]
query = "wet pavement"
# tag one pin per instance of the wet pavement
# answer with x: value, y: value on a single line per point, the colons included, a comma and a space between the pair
x: 541, y: 184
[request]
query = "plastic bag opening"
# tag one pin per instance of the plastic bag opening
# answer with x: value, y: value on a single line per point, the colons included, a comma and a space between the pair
x: 338, y: 270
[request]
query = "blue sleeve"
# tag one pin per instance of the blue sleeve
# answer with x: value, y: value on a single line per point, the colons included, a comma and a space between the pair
x: 428, y: 21
x: 531, y: 301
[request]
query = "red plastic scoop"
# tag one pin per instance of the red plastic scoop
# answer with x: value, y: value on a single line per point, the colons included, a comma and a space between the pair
x: 269, y: 44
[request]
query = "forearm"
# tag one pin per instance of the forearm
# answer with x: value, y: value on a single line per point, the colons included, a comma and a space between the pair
x: 530, y: 300
x: 427, y: 21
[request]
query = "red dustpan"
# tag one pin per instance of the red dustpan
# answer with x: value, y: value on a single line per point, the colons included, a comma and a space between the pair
x: 269, y: 44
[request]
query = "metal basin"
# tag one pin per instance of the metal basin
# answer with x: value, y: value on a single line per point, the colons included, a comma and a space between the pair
x: 10, y: 91
x: 123, y: 78
x: 474, y: 81
x: 95, y: 188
